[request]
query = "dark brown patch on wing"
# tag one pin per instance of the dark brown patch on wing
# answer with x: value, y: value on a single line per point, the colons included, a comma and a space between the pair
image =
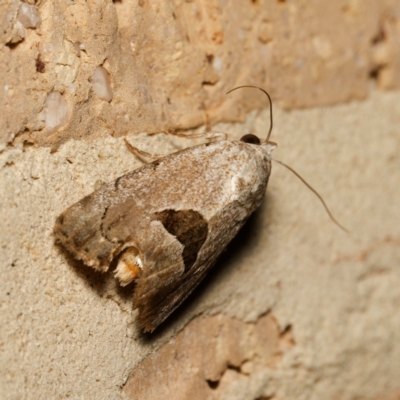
x: 189, y: 227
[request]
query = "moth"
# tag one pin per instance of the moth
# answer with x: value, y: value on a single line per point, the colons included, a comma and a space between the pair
x: 166, y: 223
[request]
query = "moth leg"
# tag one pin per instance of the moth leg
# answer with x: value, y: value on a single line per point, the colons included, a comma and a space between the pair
x: 141, y: 154
x: 212, y: 136
x: 216, y: 136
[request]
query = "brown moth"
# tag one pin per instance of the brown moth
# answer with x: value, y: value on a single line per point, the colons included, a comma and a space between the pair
x: 167, y: 222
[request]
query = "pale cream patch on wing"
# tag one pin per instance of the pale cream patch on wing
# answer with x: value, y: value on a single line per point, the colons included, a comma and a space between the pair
x: 129, y: 266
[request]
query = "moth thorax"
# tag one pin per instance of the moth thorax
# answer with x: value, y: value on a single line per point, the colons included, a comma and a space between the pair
x: 129, y: 266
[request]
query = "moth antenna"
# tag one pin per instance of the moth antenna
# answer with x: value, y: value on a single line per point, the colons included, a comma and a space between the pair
x: 315, y: 192
x: 270, y: 105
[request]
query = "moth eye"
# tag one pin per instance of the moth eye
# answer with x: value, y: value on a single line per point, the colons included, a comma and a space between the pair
x: 250, y: 138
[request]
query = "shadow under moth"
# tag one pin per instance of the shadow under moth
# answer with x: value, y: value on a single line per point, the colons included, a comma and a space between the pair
x: 167, y: 222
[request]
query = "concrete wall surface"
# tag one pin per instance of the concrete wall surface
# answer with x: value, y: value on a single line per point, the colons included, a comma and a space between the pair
x: 295, y: 308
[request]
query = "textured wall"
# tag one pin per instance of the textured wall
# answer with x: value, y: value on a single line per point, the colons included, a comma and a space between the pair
x: 295, y: 308
x: 169, y: 63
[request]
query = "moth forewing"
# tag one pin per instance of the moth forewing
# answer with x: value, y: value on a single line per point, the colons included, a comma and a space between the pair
x: 167, y: 222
